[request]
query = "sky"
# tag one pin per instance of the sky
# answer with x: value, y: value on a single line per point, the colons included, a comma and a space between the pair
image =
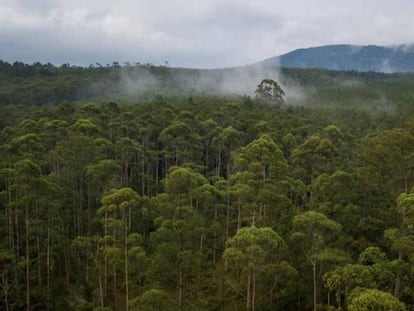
x: 191, y: 33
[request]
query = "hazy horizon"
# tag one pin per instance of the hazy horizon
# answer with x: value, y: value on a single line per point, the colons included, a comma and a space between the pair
x: 211, y: 34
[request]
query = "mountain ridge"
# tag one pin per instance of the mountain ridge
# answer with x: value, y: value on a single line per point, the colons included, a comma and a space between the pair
x: 349, y: 57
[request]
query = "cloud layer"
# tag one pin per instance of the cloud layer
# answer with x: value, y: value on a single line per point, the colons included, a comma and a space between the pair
x: 208, y: 33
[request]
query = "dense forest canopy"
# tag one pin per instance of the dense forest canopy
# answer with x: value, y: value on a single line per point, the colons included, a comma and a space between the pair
x: 172, y: 196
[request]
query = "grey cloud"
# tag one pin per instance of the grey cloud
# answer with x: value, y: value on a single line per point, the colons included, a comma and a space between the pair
x: 209, y: 33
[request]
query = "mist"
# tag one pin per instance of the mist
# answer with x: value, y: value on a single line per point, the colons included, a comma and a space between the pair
x: 141, y: 83
x: 146, y: 81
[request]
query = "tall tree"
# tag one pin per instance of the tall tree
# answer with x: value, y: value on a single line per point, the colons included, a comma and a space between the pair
x: 249, y: 252
x: 373, y: 299
x: 270, y: 92
x: 117, y: 204
x: 313, y: 231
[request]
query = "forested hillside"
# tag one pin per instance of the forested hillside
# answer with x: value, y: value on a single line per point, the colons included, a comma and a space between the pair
x: 174, y: 197
x: 350, y: 57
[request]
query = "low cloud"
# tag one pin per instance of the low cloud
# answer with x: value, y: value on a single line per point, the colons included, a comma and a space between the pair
x: 206, y: 34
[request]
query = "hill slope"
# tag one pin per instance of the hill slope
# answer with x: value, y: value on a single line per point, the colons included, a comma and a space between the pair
x: 349, y: 57
x: 38, y: 85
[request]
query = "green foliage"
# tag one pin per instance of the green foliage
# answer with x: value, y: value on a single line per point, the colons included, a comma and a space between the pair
x: 251, y: 247
x: 152, y: 300
x: 270, y: 92
x: 315, y: 229
x: 175, y: 202
x: 372, y: 299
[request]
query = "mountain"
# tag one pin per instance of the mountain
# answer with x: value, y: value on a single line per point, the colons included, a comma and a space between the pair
x: 349, y: 57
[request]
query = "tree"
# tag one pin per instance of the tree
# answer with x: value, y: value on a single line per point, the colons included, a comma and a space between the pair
x: 177, y: 258
x: 362, y: 299
x: 152, y: 300
x: 260, y: 179
x: 313, y: 157
x: 344, y: 279
x: 179, y: 238
x: 226, y: 142
x: 29, y: 182
x: 402, y: 239
x: 313, y: 230
x: 380, y: 266
x: 388, y: 164
x: 250, y: 251
x: 117, y: 205
x: 270, y: 92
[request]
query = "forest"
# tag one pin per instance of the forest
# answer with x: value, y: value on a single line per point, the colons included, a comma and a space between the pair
x: 173, y: 196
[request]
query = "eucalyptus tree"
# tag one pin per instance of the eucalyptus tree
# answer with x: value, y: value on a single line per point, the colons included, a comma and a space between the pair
x: 260, y: 178
x: 209, y: 130
x: 179, y: 141
x: 29, y: 126
x: 226, y: 142
x: 54, y: 131
x: 71, y: 157
x: 127, y: 152
x: 117, y: 207
x: 372, y: 300
x: 210, y: 203
x: 6, y: 258
x: 29, y: 186
x: 177, y: 262
x: 64, y: 111
x: 270, y: 92
x: 289, y: 143
x: 102, y: 175
x: 89, y: 110
x: 152, y: 300
x: 318, y: 154
x: 91, y: 250
x: 336, y: 196
x: 313, y: 232
x: 401, y: 239
x: 387, y: 165
x: 180, y: 234
x: 27, y: 146
x: 250, y: 251
x: 342, y: 280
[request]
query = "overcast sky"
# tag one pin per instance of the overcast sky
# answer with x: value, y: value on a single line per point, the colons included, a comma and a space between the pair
x: 192, y: 33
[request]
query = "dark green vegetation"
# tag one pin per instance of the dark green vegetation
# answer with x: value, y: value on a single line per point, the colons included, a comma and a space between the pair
x: 206, y: 202
x: 350, y: 57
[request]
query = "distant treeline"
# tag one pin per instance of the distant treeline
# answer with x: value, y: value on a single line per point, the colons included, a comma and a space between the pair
x: 44, y: 84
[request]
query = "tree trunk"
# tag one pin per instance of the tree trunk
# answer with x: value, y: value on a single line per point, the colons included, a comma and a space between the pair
x: 314, y: 286
x: 254, y: 291
x: 219, y: 162
x: 248, y: 290
x: 105, y: 256
x: 126, y: 267
x: 27, y: 258
x: 17, y: 245
x: 67, y: 269
x: 4, y: 285
x: 157, y: 164
x: 143, y: 177
x: 206, y: 163
x: 180, y: 288
x: 227, y: 217
x: 397, y: 285
x: 39, y: 268
x: 238, y: 215
x: 48, y: 266
x: 114, y: 289
x: 100, y: 290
